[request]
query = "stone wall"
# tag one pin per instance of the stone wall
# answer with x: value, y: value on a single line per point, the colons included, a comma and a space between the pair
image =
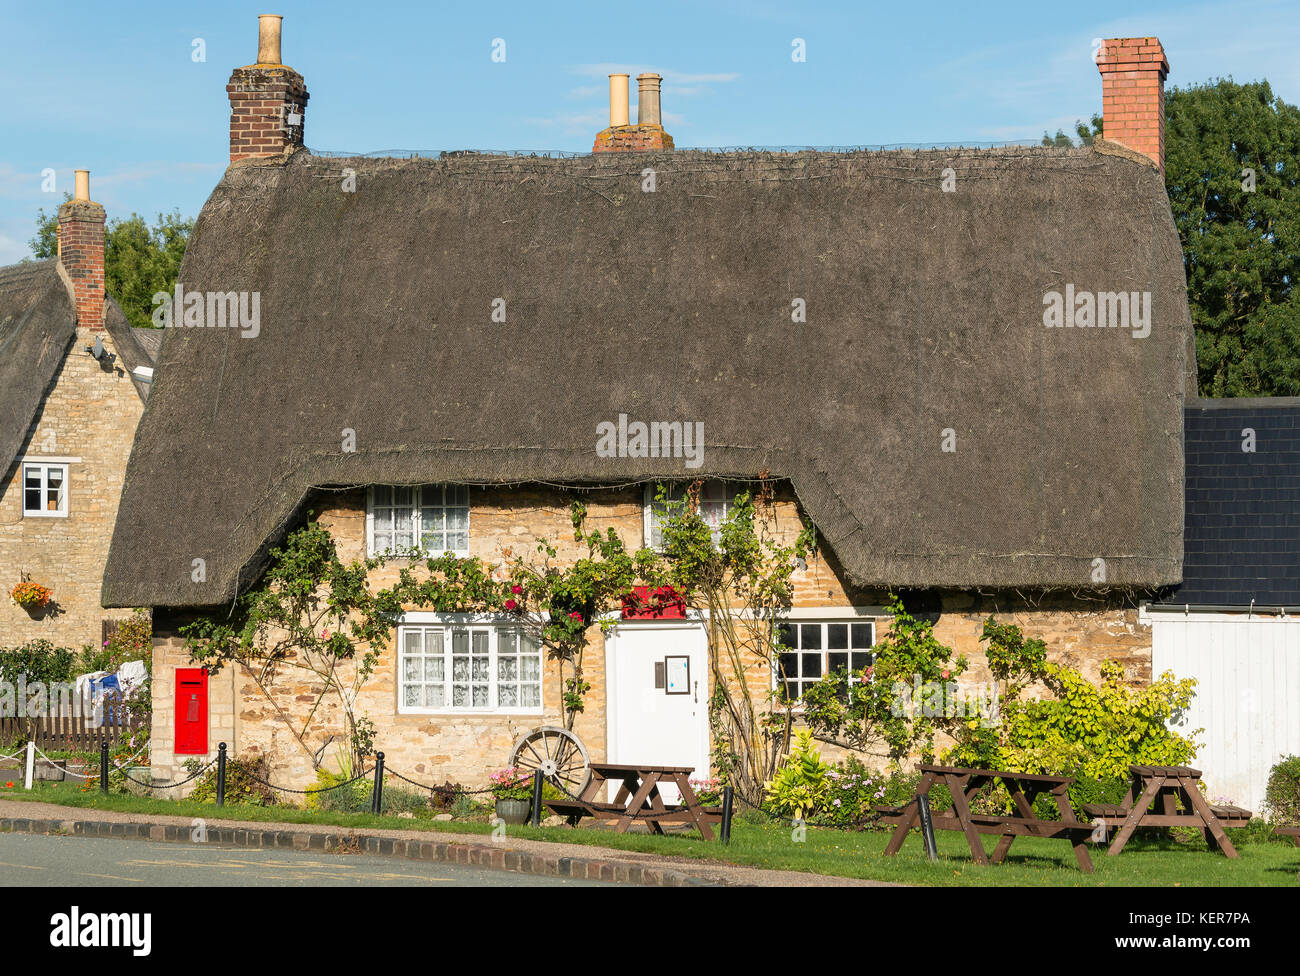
x: 504, y: 522
x: 89, y: 414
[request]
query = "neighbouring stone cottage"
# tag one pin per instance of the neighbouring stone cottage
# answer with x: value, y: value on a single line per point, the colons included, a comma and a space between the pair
x: 923, y: 350
x: 73, y: 379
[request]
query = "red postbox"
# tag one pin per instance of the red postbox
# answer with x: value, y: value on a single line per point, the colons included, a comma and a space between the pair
x: 191, y: 712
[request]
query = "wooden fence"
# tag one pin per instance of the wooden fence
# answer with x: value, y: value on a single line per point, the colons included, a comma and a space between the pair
x: 73, y: 732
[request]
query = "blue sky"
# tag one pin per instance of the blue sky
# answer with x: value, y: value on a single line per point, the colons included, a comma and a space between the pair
x: 113, y: 87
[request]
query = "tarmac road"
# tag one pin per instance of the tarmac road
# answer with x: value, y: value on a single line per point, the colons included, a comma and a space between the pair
x: 35, y: 860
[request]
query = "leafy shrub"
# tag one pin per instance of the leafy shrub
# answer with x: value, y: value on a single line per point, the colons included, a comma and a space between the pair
x: 242, y: 784
x: 465, y: 807
x: 356, y: 797
x: 873, y: 705
x: 802, y: 786
x: 1091, y: 731
x: 1282, y: 795
x: 37, y: 660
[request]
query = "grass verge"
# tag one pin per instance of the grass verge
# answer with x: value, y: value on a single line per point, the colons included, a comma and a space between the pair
x: 1032, y: 861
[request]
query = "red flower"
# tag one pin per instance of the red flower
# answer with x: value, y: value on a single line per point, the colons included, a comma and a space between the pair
x: 576, y: 615
x: 510, y: 604
x: 9, y: 785
x: 516, y: 589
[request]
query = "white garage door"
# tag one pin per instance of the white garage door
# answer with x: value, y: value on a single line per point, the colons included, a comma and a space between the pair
x: 1247, y: 696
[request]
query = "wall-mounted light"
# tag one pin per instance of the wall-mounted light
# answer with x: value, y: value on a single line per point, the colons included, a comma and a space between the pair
x: 143, y: 373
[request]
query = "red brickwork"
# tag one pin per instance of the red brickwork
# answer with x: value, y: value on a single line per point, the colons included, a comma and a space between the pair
x: 81, y: 252
x: 632, y: 138
x: 1133, y: 72
x: 268, y: 106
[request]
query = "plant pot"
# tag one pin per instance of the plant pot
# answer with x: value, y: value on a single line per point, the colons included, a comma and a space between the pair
x: 514, y: 811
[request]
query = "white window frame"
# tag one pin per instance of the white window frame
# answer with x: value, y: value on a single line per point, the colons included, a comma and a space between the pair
x: 417, y: 501
x: 495, y: 625
x: 724, y: 497
x: 45, y: 466
x: 824, y: 620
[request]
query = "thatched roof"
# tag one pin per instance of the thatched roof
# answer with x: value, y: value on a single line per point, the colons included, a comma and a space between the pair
x: 38, y: 322
x: 924, y: 312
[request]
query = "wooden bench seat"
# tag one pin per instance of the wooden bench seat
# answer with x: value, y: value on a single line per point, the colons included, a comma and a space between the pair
x: 1292, y: 832
x: 1231, y: 816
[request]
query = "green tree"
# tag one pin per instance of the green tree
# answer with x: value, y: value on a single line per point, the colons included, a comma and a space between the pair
x: 1232, y: 160
x: 1084, y: 131
x: 139, y: 260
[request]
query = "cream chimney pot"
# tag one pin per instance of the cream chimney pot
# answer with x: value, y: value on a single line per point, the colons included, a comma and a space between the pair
x: 617, y: 100
x: 647, y: 100
x: 268, y: 38
x: 83, y: 185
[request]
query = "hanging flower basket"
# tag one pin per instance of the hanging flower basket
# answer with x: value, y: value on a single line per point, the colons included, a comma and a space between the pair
x: 32, y: 597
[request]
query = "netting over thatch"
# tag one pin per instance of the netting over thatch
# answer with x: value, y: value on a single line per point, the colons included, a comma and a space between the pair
x: 924, y: 315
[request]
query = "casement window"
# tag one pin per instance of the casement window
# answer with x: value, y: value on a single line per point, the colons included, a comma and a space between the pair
x: 433, y: 519
x: 469, y: 667
x: 45, y: 490
x: 715, y: 503
x: 814, y: 649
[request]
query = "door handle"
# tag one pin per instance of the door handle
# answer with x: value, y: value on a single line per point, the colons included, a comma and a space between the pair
x: 696, y: 697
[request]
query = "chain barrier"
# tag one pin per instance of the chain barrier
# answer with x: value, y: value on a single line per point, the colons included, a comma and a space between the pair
x: 454, y: 789
x: 318, y: 789
x: 66, y: 771
x: 167, y: 786
x: 138, y: 754
x: 445, y: 790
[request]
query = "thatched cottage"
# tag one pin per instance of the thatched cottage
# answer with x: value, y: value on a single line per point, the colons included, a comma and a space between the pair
x: 73, y: 379
x: 966, y: 367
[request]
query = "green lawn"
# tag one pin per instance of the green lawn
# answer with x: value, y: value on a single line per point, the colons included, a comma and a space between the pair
x: 1032, y: 861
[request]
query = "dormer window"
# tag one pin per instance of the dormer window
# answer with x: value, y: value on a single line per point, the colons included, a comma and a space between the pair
x: 427, y: 519
x: 715, y: 503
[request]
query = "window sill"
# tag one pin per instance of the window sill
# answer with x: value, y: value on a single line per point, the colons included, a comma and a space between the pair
x: 28, y: 515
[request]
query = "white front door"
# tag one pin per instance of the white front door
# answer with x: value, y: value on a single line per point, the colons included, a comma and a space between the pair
x: 658, y: 711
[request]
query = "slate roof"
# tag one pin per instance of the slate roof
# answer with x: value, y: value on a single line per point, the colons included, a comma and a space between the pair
x: 1242, y: 525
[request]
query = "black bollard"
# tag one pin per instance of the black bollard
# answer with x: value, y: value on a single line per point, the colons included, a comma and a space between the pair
x: 221, y: 775
x: 103, y: 765
x: 377, y: 796
x: 537, y: 799
x: 728, y: 794
x: 927, y: 828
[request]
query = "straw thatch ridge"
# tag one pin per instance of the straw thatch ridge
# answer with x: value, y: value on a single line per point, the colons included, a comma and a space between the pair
x: 38, y: 323
x: 924, y: 314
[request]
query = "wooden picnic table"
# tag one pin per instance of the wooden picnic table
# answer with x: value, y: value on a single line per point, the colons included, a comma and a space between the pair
x: 963, y: 784
x: 638, y: 798
x: 1152, y: 801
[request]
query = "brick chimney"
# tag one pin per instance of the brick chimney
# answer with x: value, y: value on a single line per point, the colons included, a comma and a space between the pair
x: 81, y: 252
x: 1133, y: 72
x: 648, y: 133
x: 268, y: 100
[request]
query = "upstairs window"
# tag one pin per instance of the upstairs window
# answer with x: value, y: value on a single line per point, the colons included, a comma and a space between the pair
x: 432, y: 519
x: 45, y: 490
x: 715, y: 503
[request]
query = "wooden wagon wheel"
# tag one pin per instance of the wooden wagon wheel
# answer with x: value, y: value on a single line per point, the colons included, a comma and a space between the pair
x: 557, y: 754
